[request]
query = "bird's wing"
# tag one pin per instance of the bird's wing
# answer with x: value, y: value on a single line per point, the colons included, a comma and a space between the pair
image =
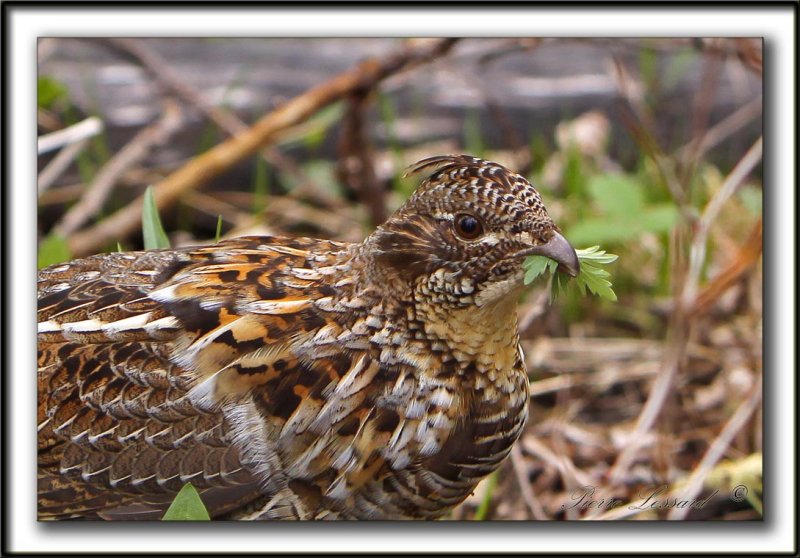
x: 140, y: 352
x: 224, y: 366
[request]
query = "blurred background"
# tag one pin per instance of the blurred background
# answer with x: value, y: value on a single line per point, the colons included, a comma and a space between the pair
x: 644, y: 408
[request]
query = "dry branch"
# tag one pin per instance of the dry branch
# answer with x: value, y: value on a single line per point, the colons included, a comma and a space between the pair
x: 59, y: 164
x: 169, y: 78
x: 745, y: 260
x: 356, y: 165
x: 94, y: 197
x: 715, y: 452
x: 534, y: 506
x: 82, y: 130
x: 226, y: 120
x: 710, y: 213
x: 215, y: 161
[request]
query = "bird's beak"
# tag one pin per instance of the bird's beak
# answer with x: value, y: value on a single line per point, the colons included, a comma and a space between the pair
x: 558, y: 249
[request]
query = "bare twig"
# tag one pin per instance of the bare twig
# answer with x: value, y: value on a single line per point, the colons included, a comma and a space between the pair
x: 159, y: 69
x: 47, y: 120
x: 716, y: 451
x: 356, y: 165
x: 512, y: 138
x: 639, y: 121
x: 722, y: 130
x: 704, y: 97
x: 679, y: 323
x: 744, y: 261
x: 226, y: 120
x: 215, y: 161
x: 214, y: 207
x: 59, y: 164
x: 284, y: 211
x: 712, y: 209
x: 604, y: 377
x: 537, y: 308
x: 572, y: 476
x: 96, y: 194
x: 72, y: 134
x: 61, y: 195
x: 677, y: 341
x: 746, y: 49
x: 749, y: 51
x: 509, y: 46
x: 652, y: 408
x: 518, y: 463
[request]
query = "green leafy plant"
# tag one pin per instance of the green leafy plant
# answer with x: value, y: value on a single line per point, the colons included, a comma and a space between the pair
x: 49, y: 92
x: 187, y: 506
x: 152, y: 230
x: 624, y: 212
x: 592, y: 276
x: 52, y: 250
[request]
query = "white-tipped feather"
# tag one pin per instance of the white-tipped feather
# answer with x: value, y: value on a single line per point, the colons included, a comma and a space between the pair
x: 127, y: 324
x: 276, y: 306
x: 357, y: 378
x: 49, y: 327
x: 168, y: 322
x: 165, y: 294
x: 84, y: 326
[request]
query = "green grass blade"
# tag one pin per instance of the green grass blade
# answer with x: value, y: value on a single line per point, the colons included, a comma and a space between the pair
x: 483, y: 508
x: 152, y: 231
x: 219, y: 229
x: 187, y: 506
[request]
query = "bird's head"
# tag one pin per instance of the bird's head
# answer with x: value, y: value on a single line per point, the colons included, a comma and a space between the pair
x: 461, y: 238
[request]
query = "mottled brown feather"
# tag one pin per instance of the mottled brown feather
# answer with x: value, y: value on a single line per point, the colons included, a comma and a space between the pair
x: 293, y: 377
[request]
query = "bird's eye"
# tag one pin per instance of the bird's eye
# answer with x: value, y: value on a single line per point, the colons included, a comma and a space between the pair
x: 468, y: 227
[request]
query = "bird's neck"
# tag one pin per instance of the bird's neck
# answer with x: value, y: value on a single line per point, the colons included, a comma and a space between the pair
x: 485, y: 337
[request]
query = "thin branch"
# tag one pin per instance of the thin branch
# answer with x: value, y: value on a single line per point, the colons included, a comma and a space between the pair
x: 535, y: 507
x: 744, y: 261
x: 677, y: 342
x: 226, y: 120
x: 679, y: 323
x: 356, y: 166
x: 96, y: 194
x: 712, y: 209
x: 650, y: 411
x: 639, y: 121
x: 715, y: 452
x: 722, y: 130
x: 218, y: 159
x: 59, y: 164
x: 82, y: 130
x: 572, y: 476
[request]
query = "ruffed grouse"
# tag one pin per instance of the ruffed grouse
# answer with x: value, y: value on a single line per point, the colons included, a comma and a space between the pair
x: 295, y: 377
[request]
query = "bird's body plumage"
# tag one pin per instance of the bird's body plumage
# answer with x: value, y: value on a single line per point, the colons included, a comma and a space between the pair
x: 292, y: 377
